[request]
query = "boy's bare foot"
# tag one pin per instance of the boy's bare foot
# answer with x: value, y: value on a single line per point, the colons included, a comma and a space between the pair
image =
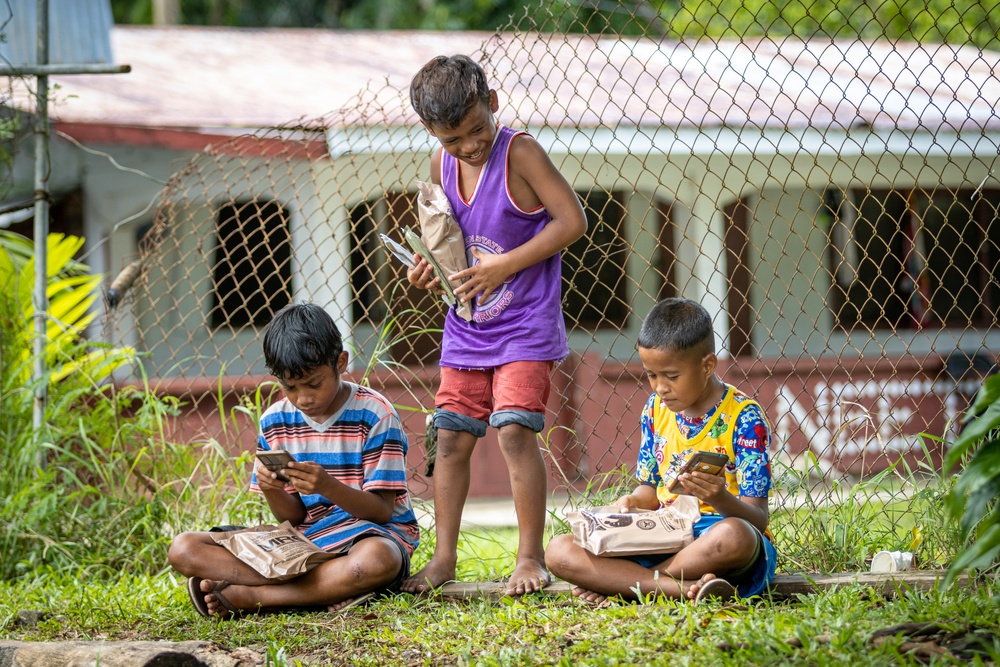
x: 710, y: 586
x: 529, y: 576
x: 590, y: 597
x: 434, y: 574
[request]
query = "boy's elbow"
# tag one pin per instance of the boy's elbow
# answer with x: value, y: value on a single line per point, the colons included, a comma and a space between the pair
x: 381, y: 513
x: 579, y: 228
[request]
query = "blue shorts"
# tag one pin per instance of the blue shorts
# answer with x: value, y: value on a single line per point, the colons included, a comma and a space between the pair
x: 750, y: 580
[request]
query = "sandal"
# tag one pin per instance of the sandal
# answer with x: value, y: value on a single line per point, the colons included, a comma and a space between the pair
x: 359, y: 601
x: 716, y: 589
x: 201, y: 605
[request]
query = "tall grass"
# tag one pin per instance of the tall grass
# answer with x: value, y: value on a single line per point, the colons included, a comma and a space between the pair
x: 838, y: 526
x: 100, y: 490
x: 115, y: 488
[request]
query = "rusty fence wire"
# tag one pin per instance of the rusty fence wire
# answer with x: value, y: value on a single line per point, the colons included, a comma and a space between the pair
x: 828, y: 189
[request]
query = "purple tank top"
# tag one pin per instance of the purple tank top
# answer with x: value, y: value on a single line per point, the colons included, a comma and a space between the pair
x: 522, y: 320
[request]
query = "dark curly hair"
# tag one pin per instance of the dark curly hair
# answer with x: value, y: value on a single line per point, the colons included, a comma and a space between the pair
x: 447, y: 88
x: 301, y: 338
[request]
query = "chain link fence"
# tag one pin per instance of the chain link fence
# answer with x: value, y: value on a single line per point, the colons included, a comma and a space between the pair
x: 828, y: 189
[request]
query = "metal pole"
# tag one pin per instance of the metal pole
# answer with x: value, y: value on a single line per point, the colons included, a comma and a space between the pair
x: 85, y: 68
x: 41, y: 229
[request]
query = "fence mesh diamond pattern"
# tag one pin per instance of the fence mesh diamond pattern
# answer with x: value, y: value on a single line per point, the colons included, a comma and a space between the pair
x: 828, y: 189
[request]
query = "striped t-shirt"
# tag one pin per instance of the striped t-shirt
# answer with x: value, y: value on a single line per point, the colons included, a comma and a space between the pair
x: 363, y: 446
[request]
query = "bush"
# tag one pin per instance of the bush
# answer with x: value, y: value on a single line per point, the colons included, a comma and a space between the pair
x: 974, y: 499
x: 100, y: 490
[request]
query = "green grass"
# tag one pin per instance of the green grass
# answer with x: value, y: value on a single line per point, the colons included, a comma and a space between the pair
x: 833, y: 627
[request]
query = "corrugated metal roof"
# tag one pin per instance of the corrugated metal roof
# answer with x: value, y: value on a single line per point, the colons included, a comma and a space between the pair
x: 79, y: 32
x: 211, y: 78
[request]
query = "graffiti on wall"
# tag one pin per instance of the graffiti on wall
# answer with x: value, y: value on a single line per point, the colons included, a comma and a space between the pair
x: 862, y: 427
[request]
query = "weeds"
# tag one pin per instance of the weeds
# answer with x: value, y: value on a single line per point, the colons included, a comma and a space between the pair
x: 100, y: 491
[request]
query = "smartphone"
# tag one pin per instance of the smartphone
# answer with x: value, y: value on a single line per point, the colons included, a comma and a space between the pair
x: 712, y: 463
x: 275, y: 461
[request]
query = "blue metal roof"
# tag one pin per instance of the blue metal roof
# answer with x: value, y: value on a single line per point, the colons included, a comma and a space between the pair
x: 79, y: 32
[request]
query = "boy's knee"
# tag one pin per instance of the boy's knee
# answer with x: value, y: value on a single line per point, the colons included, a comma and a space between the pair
x: 178, y: 555
x: 378, y: 562
x: 517, y: 439
x: 732, y: 536
x: 455, y: 445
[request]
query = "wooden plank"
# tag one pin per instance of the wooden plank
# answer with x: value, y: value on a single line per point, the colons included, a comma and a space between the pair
x: 784, y: 585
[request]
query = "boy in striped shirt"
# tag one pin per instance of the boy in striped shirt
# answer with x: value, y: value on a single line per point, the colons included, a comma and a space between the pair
x: 346, y: 489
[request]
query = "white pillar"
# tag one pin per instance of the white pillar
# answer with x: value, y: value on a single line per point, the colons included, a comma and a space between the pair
x: 701, y: 251
x: 321, y: 271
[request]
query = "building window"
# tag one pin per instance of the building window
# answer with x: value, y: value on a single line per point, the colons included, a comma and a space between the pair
x: 666, y: 260
x: 367, y: 220
x: 252, y: 273
x: 594, y: 280
x: 906, y: 259
x: 379, y: 286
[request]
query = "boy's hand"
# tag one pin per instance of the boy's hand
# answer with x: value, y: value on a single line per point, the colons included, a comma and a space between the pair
x: 625, y: 503
x: 422, y: 276
x: 267, y: 480
x: 487, y: 274
x: 703, y: 486
x: 307, y: 476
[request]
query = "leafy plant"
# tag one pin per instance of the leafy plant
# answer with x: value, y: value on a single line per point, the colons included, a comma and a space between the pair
x: 71, y: 293
x: 115, y: 488
x: 974, y: 499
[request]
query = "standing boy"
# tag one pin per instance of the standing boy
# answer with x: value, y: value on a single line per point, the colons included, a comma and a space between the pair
x: 517, y: 213
x: 346, y: 492
x: 690, y: 410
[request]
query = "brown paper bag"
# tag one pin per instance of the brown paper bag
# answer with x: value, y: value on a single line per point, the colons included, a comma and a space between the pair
x: 604, y: 531
x: 443, y: 244
x: 276, y: 552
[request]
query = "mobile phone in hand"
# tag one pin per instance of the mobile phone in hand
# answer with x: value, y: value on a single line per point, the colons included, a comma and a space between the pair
x: 711, y: 463
x: 275, y: 461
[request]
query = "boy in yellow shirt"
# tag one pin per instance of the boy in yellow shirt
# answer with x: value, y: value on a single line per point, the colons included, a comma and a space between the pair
x: 690, y: 410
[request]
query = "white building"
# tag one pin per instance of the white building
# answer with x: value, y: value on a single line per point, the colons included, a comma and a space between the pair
x: 834, y: 202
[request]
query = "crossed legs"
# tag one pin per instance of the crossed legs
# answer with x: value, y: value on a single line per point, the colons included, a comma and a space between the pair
x: 728, y: 546
x: 369, y: 565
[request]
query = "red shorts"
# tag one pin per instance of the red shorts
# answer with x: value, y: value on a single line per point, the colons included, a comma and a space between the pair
x: 517, y: 387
